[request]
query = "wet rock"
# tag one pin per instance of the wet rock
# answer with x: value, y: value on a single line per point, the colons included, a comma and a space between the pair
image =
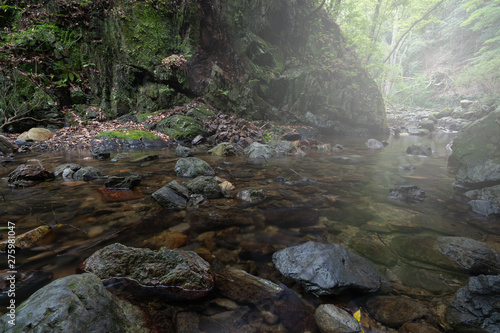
x: 123, y: 181
x: 326, y: 269
x: 193, y: 167
x: 394, y: 311
x: 331, y: 319
x: 29, y: 175
x: 427, y: 124
x: 174, y: 274
x: 168, y: 239
x: 182, y: 151
x: 201, y: 112
x: 172, y: 196
x: 259, y: 151
x: 473, y: 256
x: 286, y: 148
x: 419, y: 149
x: 146, y: 158
x: 223, y: 149
x: 36, y: 134
x: 292, y: 217
x: 206, y: 186
x: 475, y: 307
x: 76, y: 303
x: 485, y: 201
x: 373, y: 249
x: 476, y: 153
x: 87, y: 173
x: 6, y: 147
x: 374, y: 144
x: 418, y: 131
x: 408, y: 193
x: 243, y: 287
x: 66, y: 170
x: 251, y: 196
x: 100, y: 153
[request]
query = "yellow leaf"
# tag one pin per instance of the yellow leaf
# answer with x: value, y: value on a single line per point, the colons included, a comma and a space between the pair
x: 357, y: 315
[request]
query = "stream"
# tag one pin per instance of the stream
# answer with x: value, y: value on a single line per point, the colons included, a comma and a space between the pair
x: 349, y: 190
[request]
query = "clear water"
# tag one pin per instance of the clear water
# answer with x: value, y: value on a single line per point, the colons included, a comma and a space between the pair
x: 348, y: 189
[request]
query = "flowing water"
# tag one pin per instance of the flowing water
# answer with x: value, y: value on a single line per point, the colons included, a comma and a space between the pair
x: 348, y: 189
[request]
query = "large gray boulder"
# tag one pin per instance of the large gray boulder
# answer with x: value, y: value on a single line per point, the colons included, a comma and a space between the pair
x: 78, y: 304
x: 193, y: 167
x: 326, y: 269
x: 475, y: 307
x: 258, y: 150
x: 206, y: 186
x: 175, y: 274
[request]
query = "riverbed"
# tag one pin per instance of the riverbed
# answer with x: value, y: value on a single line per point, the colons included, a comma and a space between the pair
x: 348, y: 188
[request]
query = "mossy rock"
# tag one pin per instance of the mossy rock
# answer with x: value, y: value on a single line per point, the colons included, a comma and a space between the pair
x: 201, y: 112
x: 181, y: 127
x: 127, y: 135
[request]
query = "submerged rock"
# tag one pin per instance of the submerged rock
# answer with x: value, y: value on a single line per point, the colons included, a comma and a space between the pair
x: 374, y: 144
x: 87, y: 173
x: 292, y: 217
x: 174, y: 274
x: 485, y: 201
x: 100, y: 153
x: 76, y: 303
x: 407, y: 192
x: 331, y: 319
x: 66, y: 170
x: 193, y: 167
x: 475, y: 307
x: 251, y: 196
x: 123, y: 181
x: 419, y: 149
x: 326, y: 269
x: 394, y: 311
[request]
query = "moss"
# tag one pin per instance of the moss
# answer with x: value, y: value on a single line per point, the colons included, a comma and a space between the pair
x: 181, y: 127
x: 201, y: 112
x: 127, y: 135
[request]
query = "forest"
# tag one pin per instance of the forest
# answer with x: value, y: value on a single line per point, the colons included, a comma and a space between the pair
x: 420, y: 53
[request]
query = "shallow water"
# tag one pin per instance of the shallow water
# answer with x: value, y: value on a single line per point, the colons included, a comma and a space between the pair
x: 349, y: 190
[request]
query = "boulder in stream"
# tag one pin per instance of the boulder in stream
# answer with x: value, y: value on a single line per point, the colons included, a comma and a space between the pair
x: 183, y: 151
x: 419, y: 149
x: 331, y: 319
x: 174, y: 274
x: 475, y: 307
x: 326, y: 269
x: 394, y: 311
x: 223, y: 149
x: 87, y: 173
x: 27, y: 175
x: 75, y: 303
x: 172, y: 196
x: 193, y: 167
x: 205, y: 185
x: 259, y: 151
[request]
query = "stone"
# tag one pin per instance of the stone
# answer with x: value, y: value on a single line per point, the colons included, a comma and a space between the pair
x: 251, y: 196
x: 29, y: 175
x: 331, y: 319
x: 243, y: 287
x: 206, y: 186
x: 465, y: 103
x: 427, y: 124
x: 475, y: 307
x: 123, y: 181
x: 473, y: 256
x: 181, y: 127
x: 174, y: 274
x: 172, y: 196
x: 182, y: 151
x: 327, y: 269
x: 193, y: 167
x: 374, y: 144
x: 76, y: 303
x: 100, y: 153
x: 422, y: 149
x: 66, y: 170
x: 485, y: 201
x: 408, y: 193
x: 223, y: 149
x: 6, y: 147
x: 476, y: 153
x: 286, y: 148
x: 394, y: 311
x: 87, y: 173
x: 36, y: 134
x: 258, y: 150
